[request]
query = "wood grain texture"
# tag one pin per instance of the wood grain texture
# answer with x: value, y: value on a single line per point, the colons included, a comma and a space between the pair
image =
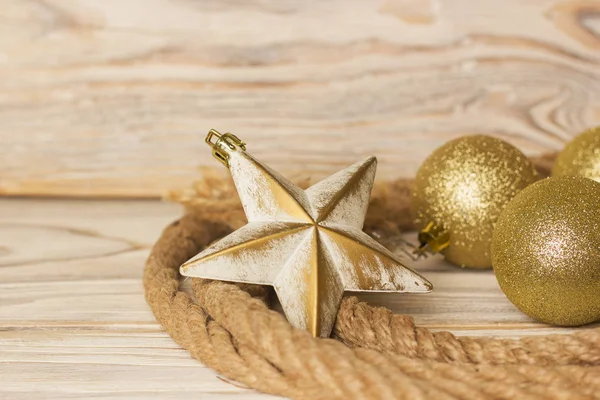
x: 73, y: 319
x: 113, y: 98
x: 74, y: 323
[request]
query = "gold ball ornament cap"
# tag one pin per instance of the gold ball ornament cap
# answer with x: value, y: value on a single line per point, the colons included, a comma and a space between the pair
x: 459, y: 192
x: 546, y: 251
x: 581, y: 156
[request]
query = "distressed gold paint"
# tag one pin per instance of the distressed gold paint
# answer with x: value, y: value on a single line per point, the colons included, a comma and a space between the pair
x: 317, y: 266
x: 313, y: 288
x: 362, y: 256
x: 355, y: 252
x: 546, y: 251
x: 256, y: 243
x: 581, y: 156
x: 351, y: 185
x: 285, y: 200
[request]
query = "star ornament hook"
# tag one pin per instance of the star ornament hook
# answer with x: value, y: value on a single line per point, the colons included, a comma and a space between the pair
x: 308, y: 244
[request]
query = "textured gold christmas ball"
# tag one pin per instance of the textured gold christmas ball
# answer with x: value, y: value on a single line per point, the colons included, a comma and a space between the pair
x: 581, y: 156
x: 546, y: 251
x: 462, y: 187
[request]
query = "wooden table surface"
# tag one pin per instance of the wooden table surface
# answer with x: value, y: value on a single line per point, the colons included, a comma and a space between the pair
x: 74, y: 323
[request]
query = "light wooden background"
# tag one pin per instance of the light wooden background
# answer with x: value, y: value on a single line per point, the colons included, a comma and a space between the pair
x: 114, y: 97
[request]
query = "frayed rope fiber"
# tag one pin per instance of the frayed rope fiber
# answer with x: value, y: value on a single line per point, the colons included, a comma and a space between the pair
x: 375, y: 354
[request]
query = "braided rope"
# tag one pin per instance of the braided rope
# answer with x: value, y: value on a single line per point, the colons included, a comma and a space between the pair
x: 379, y: 355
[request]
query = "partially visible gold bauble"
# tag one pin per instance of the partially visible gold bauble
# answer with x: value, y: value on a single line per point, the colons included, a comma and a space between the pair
x: 546, y: 251
x: 462, y: 187
x: 581, y: 156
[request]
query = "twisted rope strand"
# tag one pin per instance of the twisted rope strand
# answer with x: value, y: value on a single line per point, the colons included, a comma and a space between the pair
x: 360, y: 325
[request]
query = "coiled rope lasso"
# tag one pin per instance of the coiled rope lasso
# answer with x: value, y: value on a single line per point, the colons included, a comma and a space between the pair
x: 374, y: 354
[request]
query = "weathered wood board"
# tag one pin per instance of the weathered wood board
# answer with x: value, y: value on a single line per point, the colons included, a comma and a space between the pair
x: 74, y: 323
x: 114, y: 97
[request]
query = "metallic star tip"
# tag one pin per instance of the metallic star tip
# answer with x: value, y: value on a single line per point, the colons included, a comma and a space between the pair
x: 424, y: 286
x: 371, y: 160
x: 428, y: 286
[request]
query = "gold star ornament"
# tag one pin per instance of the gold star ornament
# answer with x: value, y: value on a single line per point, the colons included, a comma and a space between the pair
x: 308, y: 244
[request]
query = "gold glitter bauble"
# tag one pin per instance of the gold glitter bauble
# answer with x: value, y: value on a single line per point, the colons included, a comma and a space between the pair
x: 546, y: 251
x: 581, y: 156
x: 462, y: 187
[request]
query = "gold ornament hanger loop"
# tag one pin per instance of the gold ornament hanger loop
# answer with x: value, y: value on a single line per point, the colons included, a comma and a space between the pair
x: 223, y: 145
x: 433, y: 237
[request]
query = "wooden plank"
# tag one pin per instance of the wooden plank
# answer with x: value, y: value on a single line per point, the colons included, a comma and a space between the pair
x: 113, y: 98
x: 73, y: 319
x: 74, y: 323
